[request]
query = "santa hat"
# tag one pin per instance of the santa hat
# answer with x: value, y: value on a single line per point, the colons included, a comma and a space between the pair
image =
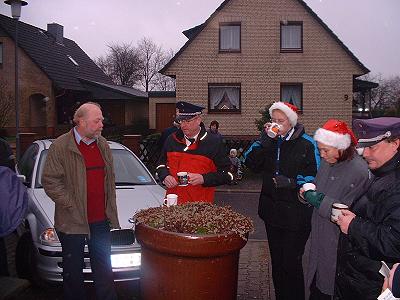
x: 288, y: 109
x: 335, y: 133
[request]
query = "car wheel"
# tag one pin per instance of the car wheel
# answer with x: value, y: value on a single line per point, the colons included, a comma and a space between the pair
x: 25, y: 260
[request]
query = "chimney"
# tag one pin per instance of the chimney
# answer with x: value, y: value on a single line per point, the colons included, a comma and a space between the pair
x: 57, y: 31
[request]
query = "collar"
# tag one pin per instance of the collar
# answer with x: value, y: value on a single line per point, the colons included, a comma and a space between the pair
x: 79, y: 138
x: 188, y: 142
x: 390, y: 165
x: 288, y: 135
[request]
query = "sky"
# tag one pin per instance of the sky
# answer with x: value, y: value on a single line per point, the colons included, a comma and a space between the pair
x: 369, y: 28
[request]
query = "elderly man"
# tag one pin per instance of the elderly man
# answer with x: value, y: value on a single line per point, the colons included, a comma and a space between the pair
x: 191, y: 149
x: 371, y: 228
x: 79, y: 177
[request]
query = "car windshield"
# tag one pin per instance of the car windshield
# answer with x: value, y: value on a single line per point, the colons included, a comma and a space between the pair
x: 128, y: 169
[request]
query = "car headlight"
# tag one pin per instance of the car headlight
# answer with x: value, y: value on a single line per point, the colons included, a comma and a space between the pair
x: 49, y: 236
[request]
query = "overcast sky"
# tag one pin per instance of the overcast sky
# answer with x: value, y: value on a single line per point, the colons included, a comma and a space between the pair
x: 369, y: 28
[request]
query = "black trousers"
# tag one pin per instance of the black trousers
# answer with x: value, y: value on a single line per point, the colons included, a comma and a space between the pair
x: 3, y: 258
x: 316, y: 294
x: 287, y: 248
x: 99, y: 245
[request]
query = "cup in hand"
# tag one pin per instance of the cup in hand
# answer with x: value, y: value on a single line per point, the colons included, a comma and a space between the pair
x: 171, y: 199
x: 183, y: 178
x: 273, y: 129
x: 337, y: 211
x: 308, y: 186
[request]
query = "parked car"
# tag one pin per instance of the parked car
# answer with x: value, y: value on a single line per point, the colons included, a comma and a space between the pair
x: 38, y: 252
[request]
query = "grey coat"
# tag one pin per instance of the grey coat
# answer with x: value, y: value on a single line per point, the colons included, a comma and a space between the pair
x: 342, y: 182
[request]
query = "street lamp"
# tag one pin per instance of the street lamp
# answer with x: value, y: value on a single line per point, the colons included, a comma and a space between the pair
x: 16, y: 13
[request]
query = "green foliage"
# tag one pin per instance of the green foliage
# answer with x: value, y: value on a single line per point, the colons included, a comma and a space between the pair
x: 265, y: 117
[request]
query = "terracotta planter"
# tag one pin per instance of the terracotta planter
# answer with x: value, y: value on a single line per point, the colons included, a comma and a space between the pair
x: 183, y: 266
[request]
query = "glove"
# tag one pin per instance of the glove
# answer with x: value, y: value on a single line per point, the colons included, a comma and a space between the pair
x: 314, y: 198
x: 283, y: 182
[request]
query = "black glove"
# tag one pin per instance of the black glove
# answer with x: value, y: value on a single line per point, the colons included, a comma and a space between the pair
x: 283, y: 182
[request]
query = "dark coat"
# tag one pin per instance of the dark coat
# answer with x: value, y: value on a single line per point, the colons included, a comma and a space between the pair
x: 206, y: 156
x: 6, y: 155
x: 299, y: 158
x: 13, y: 201
x: 373, y: 236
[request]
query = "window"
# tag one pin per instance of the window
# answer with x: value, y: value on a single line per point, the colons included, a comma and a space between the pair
x: 291, y: 36
x: 27, y: 162
x: 229, y: 37
x: 1, y: 53
x: 292, y: 93
x: 224, y: 98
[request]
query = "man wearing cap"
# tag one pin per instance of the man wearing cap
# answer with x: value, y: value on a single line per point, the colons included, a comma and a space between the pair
x: 287, y: 161
x: 371, y: 228
x: 191, y: 149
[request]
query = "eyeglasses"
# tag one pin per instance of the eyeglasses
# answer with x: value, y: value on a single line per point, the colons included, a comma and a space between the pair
x: 279, y: 121
x: 188, y: 121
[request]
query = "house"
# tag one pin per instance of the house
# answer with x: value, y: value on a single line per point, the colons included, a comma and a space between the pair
x: 55, y: 76
x: 250, y: 53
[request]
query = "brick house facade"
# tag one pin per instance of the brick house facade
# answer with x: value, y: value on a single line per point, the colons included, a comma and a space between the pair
x: 260, y: 69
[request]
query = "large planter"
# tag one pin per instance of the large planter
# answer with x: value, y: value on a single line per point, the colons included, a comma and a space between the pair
x: 188, y: 266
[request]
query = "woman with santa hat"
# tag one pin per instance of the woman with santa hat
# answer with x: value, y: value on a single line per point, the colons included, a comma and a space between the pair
x: 342, y: 177
x: 287, y: 158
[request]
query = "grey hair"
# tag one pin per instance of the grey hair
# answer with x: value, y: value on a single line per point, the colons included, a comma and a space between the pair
x: 83, y: 110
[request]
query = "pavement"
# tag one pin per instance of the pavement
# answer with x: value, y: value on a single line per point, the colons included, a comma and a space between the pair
x: 254, y: 274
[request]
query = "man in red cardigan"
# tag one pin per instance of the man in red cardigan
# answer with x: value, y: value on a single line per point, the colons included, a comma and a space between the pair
x: 79, y: 177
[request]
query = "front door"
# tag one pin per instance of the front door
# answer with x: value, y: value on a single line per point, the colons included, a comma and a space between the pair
x: 165, y: 115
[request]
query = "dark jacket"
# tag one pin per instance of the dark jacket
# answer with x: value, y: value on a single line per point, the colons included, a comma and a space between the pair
x: 205, y: 156
x: 373, y: 236
x: 6, y: 155
x: 13, y: 201
x: 299, y: 160
x: 64, y: 180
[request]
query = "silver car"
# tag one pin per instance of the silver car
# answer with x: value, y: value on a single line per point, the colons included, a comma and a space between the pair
x: 38, y: 253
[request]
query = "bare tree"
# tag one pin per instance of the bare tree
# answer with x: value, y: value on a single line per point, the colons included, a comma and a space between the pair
x: 152, y: 59
x: 385, y: 99
x: 121, y: 64
x: 6, y: 104
x: 162, y: 82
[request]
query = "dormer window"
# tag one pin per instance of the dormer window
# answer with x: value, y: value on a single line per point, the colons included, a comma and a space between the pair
x: 229, y: 37
x: 291, y: 36
x: 73, y: 60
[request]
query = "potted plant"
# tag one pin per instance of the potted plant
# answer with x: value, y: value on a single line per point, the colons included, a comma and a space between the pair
x: 190, y: 251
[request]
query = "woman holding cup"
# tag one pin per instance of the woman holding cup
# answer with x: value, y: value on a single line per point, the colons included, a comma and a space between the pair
x: 342, y: 177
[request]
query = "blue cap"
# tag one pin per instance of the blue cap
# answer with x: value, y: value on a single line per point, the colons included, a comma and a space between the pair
x: 371, y: 131
x: 187, y: 110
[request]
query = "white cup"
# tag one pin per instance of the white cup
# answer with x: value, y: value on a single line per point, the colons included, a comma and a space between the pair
x: 171, y: 199
x: 183, y: 178
x: 337, y: 211
x: 273, y: 130
x: 308, y: 186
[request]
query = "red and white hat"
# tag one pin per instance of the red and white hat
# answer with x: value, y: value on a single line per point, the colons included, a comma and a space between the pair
x: 288, y: 109
x: 335, y: 133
